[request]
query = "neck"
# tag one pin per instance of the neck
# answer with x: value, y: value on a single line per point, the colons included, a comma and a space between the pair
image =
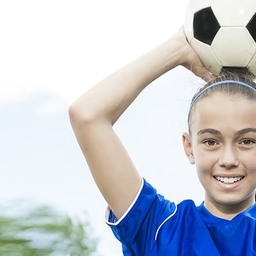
x: 227, y: 211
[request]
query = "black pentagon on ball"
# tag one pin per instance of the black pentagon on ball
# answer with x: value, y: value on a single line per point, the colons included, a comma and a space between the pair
x: 205, y: 25
x: 251, y: 26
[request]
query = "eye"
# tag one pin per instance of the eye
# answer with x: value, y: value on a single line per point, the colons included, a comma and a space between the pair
x: 210, y: 143
x: 247, y: 142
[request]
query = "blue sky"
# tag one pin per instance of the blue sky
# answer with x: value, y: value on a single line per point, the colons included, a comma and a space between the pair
x: 41, y: 160
x: 52, y: 52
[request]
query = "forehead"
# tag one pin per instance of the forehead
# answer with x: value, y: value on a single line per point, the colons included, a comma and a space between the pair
x: 221, y: 110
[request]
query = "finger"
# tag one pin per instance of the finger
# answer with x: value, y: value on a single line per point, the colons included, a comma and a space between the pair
x: 202, y: 72
x: 206, y: 75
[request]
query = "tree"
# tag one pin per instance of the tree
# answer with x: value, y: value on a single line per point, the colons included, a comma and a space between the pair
x: 29, y: 229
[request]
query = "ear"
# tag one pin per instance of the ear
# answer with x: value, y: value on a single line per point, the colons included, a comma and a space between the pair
x: 187, y: 145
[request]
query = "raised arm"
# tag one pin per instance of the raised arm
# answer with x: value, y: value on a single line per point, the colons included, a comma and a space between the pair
x: 94, y: 113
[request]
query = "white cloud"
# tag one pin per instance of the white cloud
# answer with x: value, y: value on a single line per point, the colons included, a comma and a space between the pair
x: 67, y: 46
x: 51, y: 107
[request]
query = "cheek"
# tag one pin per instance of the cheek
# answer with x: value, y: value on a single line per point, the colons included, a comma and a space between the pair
x: 247, y: 159
x: 205, y: 161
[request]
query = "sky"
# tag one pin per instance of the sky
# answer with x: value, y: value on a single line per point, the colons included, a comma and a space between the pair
x: 51, y: 52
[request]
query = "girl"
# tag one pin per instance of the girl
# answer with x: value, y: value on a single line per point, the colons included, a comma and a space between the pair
x: 221, y: 143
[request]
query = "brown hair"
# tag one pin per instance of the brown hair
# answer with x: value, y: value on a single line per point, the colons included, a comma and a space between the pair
x: 234, y: 74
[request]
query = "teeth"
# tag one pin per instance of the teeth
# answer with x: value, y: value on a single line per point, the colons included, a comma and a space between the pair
x: 227, y: 180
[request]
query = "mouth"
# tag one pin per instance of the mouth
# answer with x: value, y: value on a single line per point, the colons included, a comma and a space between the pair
x: 228, y: 180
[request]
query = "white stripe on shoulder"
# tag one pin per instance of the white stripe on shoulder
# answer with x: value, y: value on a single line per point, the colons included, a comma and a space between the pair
x: 108, y: 210
x: 165, y: 222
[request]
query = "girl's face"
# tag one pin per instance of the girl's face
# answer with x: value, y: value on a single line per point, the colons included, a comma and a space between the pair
x: 222, y: 145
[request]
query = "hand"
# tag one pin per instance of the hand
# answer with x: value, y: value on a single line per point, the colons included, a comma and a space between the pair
x: 190, y: 59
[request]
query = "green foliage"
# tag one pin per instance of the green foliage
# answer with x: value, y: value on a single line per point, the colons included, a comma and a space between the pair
x: 41, y: 230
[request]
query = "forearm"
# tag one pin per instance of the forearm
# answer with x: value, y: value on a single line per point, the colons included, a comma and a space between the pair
x: 110, y: 98
x: 94, y: 113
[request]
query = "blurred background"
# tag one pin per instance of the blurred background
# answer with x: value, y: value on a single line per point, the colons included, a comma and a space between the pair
x: 50, y: 53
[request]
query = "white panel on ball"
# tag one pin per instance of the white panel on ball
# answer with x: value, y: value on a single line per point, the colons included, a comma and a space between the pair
x: 188, y: 25
x: 234, y: 13
x: 252, y: 65
x: 207, y: 56
x: 227, y: 42
x: 223, y: 33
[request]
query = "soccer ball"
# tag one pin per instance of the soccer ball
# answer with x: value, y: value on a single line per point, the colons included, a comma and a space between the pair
x: 223, y: 33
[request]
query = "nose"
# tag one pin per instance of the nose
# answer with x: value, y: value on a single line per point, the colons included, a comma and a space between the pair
x: 228, y: 158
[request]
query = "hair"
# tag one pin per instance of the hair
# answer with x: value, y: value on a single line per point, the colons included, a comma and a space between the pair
x: 234, y: 74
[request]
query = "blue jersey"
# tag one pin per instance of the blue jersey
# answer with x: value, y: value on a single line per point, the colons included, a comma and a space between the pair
x: 154, y: 226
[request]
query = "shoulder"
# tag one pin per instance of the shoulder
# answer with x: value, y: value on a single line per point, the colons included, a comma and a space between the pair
x: 151, y: 219
x: 149, y: 204
x: 145, y: 201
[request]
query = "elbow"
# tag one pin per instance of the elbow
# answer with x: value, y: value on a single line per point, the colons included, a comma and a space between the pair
x: 73, y: 112
x: 81, y: 114
x: 76, y: 113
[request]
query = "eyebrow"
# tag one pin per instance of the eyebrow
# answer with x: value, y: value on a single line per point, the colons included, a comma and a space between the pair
x: 246, y: 130
x: 208, y: 130
x: 216, y: 132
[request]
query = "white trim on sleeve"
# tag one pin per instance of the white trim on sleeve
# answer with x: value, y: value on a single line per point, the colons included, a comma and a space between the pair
x: 108, y: 210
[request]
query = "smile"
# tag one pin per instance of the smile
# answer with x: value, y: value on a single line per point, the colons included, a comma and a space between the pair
x: 228, y: 180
